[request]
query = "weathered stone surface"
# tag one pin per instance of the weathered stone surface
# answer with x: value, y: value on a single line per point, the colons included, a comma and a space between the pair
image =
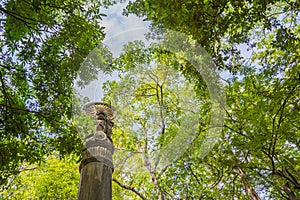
x: 96, y: 166
x: 95, y: 182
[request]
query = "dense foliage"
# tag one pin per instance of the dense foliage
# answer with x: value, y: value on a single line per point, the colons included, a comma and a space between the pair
x: 54, y: 179
x: 258, y: 155
x: 42, y: 46
x: 255, y: 43
x: 220, y: 26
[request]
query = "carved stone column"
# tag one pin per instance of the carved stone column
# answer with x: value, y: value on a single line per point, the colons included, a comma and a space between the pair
x: 96, y: 165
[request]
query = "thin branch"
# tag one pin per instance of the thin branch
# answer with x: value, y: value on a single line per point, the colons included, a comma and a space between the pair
x: 295, y: 182
x: 219, y: 179
x: 238, y: 132
x: 18, y: 17
x: 11, y: 180
x: 272, y: 161
x: 194, y: 175
x: 163, y: 171
x: 280, y: 110
x: 132, y: 189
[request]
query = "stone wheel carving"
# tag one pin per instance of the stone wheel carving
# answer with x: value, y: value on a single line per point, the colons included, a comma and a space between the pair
x: 95, y: 108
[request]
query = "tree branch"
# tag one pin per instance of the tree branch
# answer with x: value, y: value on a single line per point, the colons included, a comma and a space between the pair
x: 132, y: 189
x: 18, y: 17
x: 286, y: 188
x: 11, y: 180
x: 280, y: 110
x: 251, y: 192
x: 194, y: 175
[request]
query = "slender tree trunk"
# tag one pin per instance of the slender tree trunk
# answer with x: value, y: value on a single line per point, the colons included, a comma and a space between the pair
x: 251, y: 192
x: 153, y: 177
x: 151, y: 169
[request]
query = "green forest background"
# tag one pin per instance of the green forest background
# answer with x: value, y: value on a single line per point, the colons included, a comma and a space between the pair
x: 43, y: 44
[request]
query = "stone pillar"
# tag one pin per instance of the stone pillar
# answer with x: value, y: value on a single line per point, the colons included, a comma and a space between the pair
x: 96, y: 166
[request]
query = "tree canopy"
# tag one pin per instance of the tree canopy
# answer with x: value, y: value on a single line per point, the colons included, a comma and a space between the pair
x: 257, y: 157
x: 158, y: 95
x: 220, y: 26
x: 42, y: 46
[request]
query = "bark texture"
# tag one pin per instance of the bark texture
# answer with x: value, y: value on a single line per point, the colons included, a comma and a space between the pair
x: 95, y: 182
x: 251, y: 192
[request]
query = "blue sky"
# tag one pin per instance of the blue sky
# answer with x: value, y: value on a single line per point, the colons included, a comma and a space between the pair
x: 119, y: 30
x: 116, y: 23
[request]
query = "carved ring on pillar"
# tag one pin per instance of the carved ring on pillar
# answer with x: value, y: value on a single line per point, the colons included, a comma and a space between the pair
x: 100, y: 135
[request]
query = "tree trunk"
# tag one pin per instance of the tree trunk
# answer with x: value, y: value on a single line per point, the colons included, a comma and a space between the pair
x: 251, y: 192
x: 286, y: 188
